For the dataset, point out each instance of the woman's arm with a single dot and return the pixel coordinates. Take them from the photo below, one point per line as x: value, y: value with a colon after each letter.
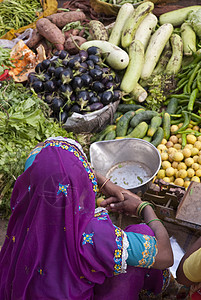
x: 181, y: 278
x: 164, y: 257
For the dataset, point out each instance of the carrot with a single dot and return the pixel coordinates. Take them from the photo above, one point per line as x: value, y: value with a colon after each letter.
x: 61, y: 19
x: 51, y: 32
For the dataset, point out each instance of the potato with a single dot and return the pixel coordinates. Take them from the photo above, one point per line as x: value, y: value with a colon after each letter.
x: 61, y: 19
x: 71, y: 42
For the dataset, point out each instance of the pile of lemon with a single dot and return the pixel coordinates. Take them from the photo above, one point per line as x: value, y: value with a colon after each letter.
x: 180, y: 166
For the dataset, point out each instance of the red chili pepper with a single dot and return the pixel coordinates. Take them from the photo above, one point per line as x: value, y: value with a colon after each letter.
x: 4, y: 76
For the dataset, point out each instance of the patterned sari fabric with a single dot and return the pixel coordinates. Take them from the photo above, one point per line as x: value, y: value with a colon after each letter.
x: 57, y: 246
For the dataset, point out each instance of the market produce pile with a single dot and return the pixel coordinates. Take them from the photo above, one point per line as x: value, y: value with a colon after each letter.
x: 148, y: 69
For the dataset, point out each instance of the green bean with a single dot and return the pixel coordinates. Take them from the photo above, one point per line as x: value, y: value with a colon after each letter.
x: 192, y: 98
x: 180, y: 96
x: 199, y: 80
x: 192, y: 77
x: 181, y: 85
x: 178, y: 121
x: 183, y: 140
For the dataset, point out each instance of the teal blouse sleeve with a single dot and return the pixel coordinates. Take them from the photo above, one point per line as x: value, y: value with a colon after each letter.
x: 31, y: 157
x: 142, y: 250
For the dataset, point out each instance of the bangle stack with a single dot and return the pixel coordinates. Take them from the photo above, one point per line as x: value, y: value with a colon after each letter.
x: 155, y: 220
x: 141, y: 206
x: 104, y: 183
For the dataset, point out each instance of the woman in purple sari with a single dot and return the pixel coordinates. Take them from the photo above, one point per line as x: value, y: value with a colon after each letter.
x: 59, y: 247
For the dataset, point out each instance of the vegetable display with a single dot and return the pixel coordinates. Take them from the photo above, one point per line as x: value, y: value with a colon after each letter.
x: 75, y: 83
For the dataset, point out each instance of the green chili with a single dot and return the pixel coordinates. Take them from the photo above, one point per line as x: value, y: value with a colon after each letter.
x: 191, y: 102
x: 192, y: 77
x: 187, y: 118
x: 183, y: 140
x: 199, y: 80
x: 176, y: 122
x: 180, y: 96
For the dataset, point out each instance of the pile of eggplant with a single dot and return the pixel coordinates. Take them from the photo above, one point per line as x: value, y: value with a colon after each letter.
x: 79, y: 83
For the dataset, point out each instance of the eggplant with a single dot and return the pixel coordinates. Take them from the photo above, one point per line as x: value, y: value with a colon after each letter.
x: 94, y: 50
x: 87, y: 79
x: 39, y: 68
x: 58, y: 72
x: 63, y: 116
x: 51, y: 70
x: 82, y: 99
x: 75, y: 108
x: 38, y: 86
x: 77, y: 83
x: 94, y: 106
x: 95, y: 58
x: 63, y: 54
x: 65, y: 63
x: 97, y: 86
x: 48, y: 99
x: 90, y: 63
x: 117, y: 94
x: 83, y: 55
x: 107, y: 97
x: 96, y: 74
x: 32, y: 77
x: 93, y: 99
x: 66, y: 76
x: 45, y: 64
x: 110, y: 84
x: 57, y: 104
x: 49, y: 86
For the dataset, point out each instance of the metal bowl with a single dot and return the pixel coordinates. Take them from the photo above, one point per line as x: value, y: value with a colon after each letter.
x: 130, y: 163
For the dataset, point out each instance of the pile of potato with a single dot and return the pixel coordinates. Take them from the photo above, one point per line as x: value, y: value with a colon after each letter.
x: 180, y: 166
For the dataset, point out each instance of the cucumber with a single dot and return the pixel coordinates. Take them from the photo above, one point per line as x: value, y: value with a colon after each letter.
x: 124, y: 13
x: 101, y: 135
x: 154, y: 49
x: 117, y: 114
x: 188, y: 36
x: 172, y: 106
x: 126, y: 107
x: 155, y: 123
x: 134, y: 68
x: 122, y: 125
x: 143, y: 116
x: 158, y: 137
x: 139, y: 131
x: 147, y: 138
x: 139, y: 110
x: 166, y: 125
x: 175, y: 61
x: 177, y: 16
x: 111, y: 135
x: 134, y: 21
x: 129, y: 130
x: 116, y: 57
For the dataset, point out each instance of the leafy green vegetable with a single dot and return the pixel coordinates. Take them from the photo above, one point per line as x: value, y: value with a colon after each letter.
x: 24, y: 122
x: 5, y: 60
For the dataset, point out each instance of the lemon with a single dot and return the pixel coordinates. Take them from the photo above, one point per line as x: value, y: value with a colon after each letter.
x: 174, y: 128
x: 195, y: 166
x: 198, y: 172
x: 171, y: 150
x: 179, y: 125
x: 199, y: 138
x: 189, y: 161
x: 161, y: 174
x: 166, y: 179
x: 180, y: 140
x: 189, y: 146
x: 169, y: 144
x: 195, y: 158
x: 175, y: 164
x: 194, y: 151
x: 181, y: 166
x: 179, y: 181
x: 178, y: 135
x: 177, y: 146
x: 173, y: 139
x: 178, y: 156
x: 186, y: 184
x: 99, y: 200
x: 165, y: 164
x: 186, y: 152
x: 196, y: 128
x: 169, y: 171
x: 190, y: 138
x: 161, y: 147
x: 199, y: 159
x: 195, y: 178
x: 190, y: 172
x: 172, y: 179
x: 164, y: 156
x: 164, y: 141
x: 198, y: 145
x: 182, y: 173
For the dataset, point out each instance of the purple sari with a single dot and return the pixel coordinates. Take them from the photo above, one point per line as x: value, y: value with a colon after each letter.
x: 56, y: 247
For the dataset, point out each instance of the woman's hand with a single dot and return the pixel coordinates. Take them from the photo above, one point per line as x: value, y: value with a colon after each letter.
x: 128, y: 205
